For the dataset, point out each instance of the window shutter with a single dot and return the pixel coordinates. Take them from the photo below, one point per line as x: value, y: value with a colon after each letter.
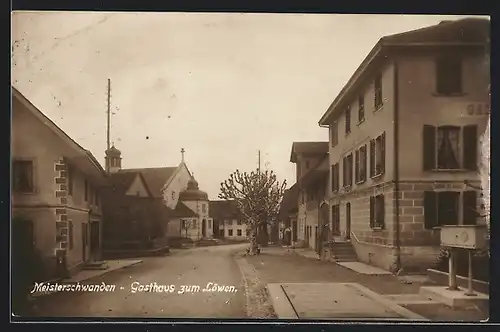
x: 430, y: 209
x: 337, y: 176
x: 469, y: 207
x: 365, y: 166
x: 344, y: 168
x: 470, y: 147
x: 382, y: 145
x: 372, y: 158
x: 356, y: 168
x: 429, y: 145
x: 381, y: 214
x: 333, y: 177
x: 372, y: 211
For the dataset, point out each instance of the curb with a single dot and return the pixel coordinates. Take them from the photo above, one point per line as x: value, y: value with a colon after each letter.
x: 245, y: 284
x: 281, y: 305
x: 44, y: 294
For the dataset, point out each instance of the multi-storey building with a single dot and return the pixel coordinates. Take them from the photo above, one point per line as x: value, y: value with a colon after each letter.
x: 404, y: 143
x: 56, y: 193
x: 311, y: 159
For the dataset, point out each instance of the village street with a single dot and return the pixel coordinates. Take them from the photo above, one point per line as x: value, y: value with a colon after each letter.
x: 194, y: 267
x: 225, y: 265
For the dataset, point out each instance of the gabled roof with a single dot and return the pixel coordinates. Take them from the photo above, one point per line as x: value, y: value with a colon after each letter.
x: 317, y: 173
x: 465, y: 32
x: 155, y: 177
x: 223, y: 209
x: 121, y: 181
x: 308, y: 148
x: 80, y: 153
x: 182, y: 211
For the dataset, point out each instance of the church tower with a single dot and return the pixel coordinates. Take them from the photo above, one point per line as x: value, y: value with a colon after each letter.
x: 113, y: 160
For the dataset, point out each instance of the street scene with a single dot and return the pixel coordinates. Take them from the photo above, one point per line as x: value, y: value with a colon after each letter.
x: 250, y: 166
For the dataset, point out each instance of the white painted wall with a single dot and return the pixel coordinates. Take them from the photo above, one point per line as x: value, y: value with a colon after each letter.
x: 177, y: 183
x: 202, y: 209
x: 232, y: 224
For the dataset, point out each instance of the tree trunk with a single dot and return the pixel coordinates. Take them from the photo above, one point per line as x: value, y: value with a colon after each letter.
x: 254, y: 246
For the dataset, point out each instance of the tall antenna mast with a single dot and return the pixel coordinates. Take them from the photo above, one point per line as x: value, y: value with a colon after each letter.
x: 109, y: 114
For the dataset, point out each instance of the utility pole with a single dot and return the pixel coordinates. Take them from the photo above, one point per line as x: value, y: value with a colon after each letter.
x: 109, y: 114
x: 259, y: 162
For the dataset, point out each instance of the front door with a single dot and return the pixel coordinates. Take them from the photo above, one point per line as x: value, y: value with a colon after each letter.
x: 294, y: 230
x: 203, y: 228
x: 94, y: 239
x: 348, y: 221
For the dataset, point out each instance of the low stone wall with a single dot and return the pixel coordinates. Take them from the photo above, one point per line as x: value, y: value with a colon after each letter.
x: 441, y: 278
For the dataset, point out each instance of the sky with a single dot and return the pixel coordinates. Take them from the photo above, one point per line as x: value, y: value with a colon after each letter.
x: 220, y: 85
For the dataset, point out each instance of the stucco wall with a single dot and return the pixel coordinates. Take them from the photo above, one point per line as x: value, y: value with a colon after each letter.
x: 419, y: 105
x: 177, y: 184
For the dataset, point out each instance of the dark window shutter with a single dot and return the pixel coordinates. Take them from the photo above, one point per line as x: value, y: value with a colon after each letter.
x: 469, y: 207
x: 382, y: 145
x: 372, y: 158
x: 333, y: 177
x: 337, y: 176
x: 470, y: 147
x: 356, y: 168
x: 381, y: 211
x: 430, y: 209
x: 344, y: 168
x: 372, y: 211
x: 365, y: 166
x: 429, y: 147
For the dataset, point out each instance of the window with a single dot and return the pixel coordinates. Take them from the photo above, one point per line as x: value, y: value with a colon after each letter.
x: 248, y: 232
x: 183, y: 223
x: 334, y: 133
x: 377, y: 212
x: 23, y: 176
x: 86, y: 190
x: 239, y: 232
x: 378, y: 91
x: 443, y: 208
x: 203, y: 208
x: 360, y: 164
x: 450, y: 147
x: 70, y: 234
x: 210, y: 224
x: 307, y: 164
x: 377, y: 156
x: 335, y: 177
x: 361, y: 108
x: 70, y: 179
x: 238, y: 222
x: 348, y: 120
x: 347, y: 168
x: 230, y: 232
x: 448, y: 75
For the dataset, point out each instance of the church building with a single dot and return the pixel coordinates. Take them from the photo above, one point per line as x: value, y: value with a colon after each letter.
x: 143, y: 207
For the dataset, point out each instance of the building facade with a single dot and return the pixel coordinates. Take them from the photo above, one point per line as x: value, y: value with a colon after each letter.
x: 311, y: 159
x: 56, y: 192
x: 404, y: 137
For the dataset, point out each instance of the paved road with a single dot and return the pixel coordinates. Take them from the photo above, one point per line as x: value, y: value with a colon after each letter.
x: 191, y: 267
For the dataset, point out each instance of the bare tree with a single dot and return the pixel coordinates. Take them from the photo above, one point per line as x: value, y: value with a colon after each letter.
x: 258, y: 196
x: 186, y: 225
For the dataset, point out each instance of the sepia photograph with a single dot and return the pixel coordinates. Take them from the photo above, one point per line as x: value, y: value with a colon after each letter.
x: 253, y: 166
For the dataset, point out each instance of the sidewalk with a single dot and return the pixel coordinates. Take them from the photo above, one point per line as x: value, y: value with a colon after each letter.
x: 281, y: 266
x: 86, y: 275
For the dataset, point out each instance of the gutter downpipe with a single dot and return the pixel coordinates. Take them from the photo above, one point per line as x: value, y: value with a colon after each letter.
x: 396, y: 164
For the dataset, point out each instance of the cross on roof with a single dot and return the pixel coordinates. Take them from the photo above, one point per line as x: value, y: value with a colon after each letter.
x: 182, y: 153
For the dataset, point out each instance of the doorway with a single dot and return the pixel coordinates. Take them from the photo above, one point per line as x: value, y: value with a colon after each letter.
x: 94, y: 239
x: 203, y: 228
x: 294, y: 230
x: 84, y: 241
x: 348, y: 221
